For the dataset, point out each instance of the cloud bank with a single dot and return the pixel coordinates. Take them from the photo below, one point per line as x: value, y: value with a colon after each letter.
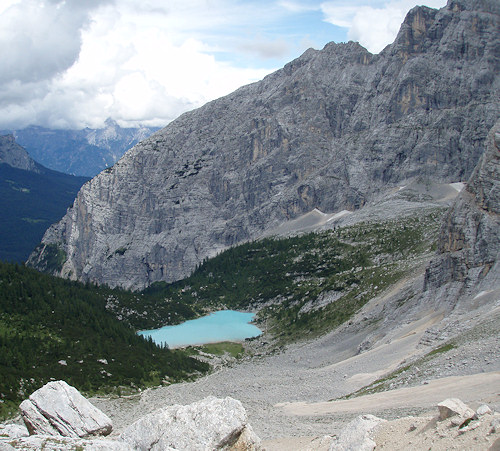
x: 74, y: 63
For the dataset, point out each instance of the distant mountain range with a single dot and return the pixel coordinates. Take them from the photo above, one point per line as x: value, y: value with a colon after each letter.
x: 31, y: 198
x: 79, y: 152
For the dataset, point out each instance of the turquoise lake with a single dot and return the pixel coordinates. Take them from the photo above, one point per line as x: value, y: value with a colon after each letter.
x: 226, y: 325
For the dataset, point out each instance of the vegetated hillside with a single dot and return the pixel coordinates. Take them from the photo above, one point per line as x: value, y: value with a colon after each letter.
x: 56, y: 329
x: 80, y: 152
x: 301, y: 286
x: 30, y: 201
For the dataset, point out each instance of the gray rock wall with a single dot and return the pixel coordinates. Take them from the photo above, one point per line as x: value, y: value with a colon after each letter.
x: 14, y: 155
x: 469, y: 244
x: 330, y: 130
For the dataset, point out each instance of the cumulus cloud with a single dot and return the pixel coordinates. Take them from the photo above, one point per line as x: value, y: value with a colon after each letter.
x: 74, y: 63
x: 41, y: 39
x: 71, y: 64
x: 373, y: 24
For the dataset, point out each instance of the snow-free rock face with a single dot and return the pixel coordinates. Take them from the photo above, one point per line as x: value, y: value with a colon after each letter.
x: 328, y: 131
x: 80, y: 152
x: 16, y: 156
x: 211, y: 423
x: 59, y: 409
x: 470, y: 237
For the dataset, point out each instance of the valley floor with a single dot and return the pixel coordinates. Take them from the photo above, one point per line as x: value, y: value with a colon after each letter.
x: 288, y: 394
x: 400, y: 355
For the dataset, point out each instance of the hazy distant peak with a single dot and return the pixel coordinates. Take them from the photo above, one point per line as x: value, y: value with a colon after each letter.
x: 14, y: 155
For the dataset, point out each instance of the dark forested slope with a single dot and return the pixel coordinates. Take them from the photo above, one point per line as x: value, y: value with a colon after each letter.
x: 55, y: 329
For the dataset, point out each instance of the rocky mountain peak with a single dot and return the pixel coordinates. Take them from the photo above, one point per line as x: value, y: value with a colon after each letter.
x: 490, y: 6
x: 14, y: 155
x: 331, y: 130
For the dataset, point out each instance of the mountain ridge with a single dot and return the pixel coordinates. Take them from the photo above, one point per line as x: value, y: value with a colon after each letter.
x: 31, y: 198
x: 14, y: 155
x: 83, y: 152
x: 331, y: 130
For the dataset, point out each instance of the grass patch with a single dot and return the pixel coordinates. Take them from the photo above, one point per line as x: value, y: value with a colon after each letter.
x: 235, y: 350
x: 442, y: 349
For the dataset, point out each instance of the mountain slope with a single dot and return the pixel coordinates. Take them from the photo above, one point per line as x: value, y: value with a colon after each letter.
x: 419, y: 345
x: 31, y: 198
x: 331, y: 130
x: 57, y: 329
x: 470, y: 237
x: 14, y: 155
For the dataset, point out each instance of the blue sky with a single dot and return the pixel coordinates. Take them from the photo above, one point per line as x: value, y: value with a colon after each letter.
x: 74, y: 63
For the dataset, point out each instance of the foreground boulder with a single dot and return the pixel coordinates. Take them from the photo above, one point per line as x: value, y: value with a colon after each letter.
x: 59, y: 409
x: 454, y: 407
x: 358, y: 434
x: 208, y: 424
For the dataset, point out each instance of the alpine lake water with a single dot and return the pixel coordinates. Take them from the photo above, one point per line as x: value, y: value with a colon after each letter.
x: 225, y: 325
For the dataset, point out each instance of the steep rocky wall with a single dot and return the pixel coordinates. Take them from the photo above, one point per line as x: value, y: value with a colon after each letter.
x: 329, y: 131
x: 469, y: 245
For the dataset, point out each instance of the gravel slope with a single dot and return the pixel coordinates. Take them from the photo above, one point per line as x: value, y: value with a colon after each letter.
x: 332, y: 366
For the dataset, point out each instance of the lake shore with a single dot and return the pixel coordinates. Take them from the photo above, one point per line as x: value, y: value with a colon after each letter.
x: 220, y: 326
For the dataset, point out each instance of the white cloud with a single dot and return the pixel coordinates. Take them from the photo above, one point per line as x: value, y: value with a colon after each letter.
x: 297, y: 6
x: 135, y: 61
x: 39, y: 40
x: 74, y: 63
x: 373, y: 24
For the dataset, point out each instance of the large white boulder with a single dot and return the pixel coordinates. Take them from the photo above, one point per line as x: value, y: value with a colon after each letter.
x: 357, y: 435
x: 59, y: 409
x: 453, y: 406
x: 12, y: 431
x: 209, y: 424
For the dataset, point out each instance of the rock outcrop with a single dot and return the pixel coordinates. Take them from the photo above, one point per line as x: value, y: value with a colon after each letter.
x: 211, y: 423
x: 358, y: 434
x: 330, y: 130
x: 58, y: 417
x: 455, y: 432
x: 59, y: 409
x: 469, y: 244
x: 454, y: 407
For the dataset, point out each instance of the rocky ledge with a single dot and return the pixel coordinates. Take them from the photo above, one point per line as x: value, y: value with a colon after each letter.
x: 221, y: 424
x: 456, y: 426
x: 58, y: 417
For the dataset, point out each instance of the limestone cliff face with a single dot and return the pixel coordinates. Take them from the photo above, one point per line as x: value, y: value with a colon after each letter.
x: 329, y: 131
x: 469, y: 246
